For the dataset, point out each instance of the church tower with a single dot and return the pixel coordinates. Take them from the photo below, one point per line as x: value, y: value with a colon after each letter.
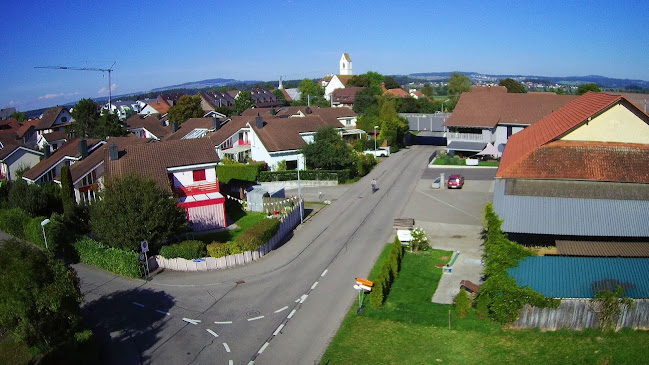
x: 345, y: 65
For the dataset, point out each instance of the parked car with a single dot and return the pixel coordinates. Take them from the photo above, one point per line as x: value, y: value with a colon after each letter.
x: 455, y: 182
x: 380, y: 152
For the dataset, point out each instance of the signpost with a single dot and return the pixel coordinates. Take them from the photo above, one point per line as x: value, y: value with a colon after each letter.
x: 363, y: 286
x: 145, y: 248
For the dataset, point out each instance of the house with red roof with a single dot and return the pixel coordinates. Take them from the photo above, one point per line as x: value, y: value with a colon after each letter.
x: 580, y: 173
x: 156, y: 107
x: 480, y: 118
x: 148, y: 126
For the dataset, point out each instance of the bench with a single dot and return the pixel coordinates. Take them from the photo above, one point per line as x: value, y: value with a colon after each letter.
x: 469, y: 286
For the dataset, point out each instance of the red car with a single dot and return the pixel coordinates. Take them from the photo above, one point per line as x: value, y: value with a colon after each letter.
x: 455, y: 182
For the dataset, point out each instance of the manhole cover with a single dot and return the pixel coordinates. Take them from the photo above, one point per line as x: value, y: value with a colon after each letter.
x: 253, y: 313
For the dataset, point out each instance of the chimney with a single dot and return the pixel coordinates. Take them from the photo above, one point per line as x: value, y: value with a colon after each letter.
x: 174, y: 127
x: 308, y: 110
x: 216, y: 123
x: 47, y: 151
x: 273, y: 111
x: 259, y: 121
x: 112, y: 152
x: 83, y: 148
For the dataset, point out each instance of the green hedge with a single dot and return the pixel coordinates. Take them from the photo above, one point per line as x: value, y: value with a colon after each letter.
x: 189, y: 250
x: 258, y: 234
x: 389, y: 272
x: 340, y: 175
x: 13, y: 221
x: 243, y: 172
x: 219, y: 249
x: 500, y: 297
x: 122, y: 262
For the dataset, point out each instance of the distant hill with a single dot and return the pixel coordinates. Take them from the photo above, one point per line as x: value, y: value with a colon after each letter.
x: 602, y: 81
x: 203, y: 84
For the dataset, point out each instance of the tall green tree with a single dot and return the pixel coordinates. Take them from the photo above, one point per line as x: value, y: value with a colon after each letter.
x: 584, y: 88
x: 391, y: 83
x: 243, y: 102
x: 328, y: 151
x: 19, y: 116
x: 393, y: 128
x: 311, y: 93
x: 186, y: 108
x: 85, y: 116
x: 39, y: 296
x: 67, y: 190
x: 109, y: 125
x: 280, y: 96
x: 457, y: 84
x: 512, y: 86
x: 364, y: 100
x: 133, y: 209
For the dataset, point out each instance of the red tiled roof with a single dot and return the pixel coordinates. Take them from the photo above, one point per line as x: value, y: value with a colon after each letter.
x: 9, y: 124
x: 486, y: 110
x: 488, y: 89
x: 521, y: 145
x: 149, y: 122
x: 287, y: 97
x: 160, y: 107
x: 26, y: 126
x: 397, y: 93
x: 283, y: 134
x: 69, y: 149
x: 49, y: 117
x: 81, y: 168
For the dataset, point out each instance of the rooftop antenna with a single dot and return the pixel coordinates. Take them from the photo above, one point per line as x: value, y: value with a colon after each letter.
x: 109, y: 70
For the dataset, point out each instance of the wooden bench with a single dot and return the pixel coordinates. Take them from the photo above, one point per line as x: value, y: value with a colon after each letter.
x: 469, y: 286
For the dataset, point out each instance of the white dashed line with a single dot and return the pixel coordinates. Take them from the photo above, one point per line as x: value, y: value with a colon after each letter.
x: 314, y: 285
x: 227, y: 348
x: 291, y: 314
x: 297, y: 300
x: 230, y: 362
x: 138, y: 304
x: 263, y: 347
x: 251, y: 362
x: 192, y: 321
x: 224, y: 322
x: 281, y: 309
x: 212, y: 332
x: 278, y: 329
x: 303, y: 298
x: 255, y: 318
x: 163, y: 312
x: 324, y: 272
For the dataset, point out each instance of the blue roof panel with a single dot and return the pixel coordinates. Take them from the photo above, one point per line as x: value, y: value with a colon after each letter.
x: 577, y: 277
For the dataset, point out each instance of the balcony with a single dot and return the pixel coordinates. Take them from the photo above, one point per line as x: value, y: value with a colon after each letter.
x: 469, y: 137
x: 204, y: 188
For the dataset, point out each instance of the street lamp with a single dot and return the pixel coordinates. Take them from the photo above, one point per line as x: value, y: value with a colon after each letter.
x: 299, y: 188
x: 376, y: 126
x: 43, y: 223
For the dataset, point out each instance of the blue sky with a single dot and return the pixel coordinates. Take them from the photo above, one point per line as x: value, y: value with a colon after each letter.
x: 161, y: 43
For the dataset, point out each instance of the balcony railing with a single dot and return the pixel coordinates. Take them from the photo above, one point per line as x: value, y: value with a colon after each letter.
x: 456, y: 136
x: 212, y: 187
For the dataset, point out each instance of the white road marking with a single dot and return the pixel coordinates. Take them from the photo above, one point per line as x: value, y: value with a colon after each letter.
x: 224, y: 322
x: 324, y: 272
x: 230, y: 362
x: 163, y: 312
x: 251, y: 362
x: 227, y: 349
x: 212, y: 332
x: 291, y: 314
x: 278, y: 329
x: 255, y: 318
x: 314, y: 285
x: 263, y: 347
x: 192, y: 321
x: 138, y: 304
x: 281, y: 309
x: 303, y: 298
x: 297, y: 300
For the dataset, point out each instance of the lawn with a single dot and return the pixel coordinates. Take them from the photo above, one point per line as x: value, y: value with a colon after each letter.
x: 409, y: 329
x: 242, y: 219
x: 445, y: 159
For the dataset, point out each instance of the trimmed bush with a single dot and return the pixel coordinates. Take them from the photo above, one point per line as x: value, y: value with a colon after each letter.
x: 388, y: 273
x: 376, y: 296
x: 241, y: 172
x: 219, y: 249
x: 13, y: 221
x: 189, y: 250
x: 258, y: 234
x: 462, y: 303
x: 118, y: 261
x: 482, y: 306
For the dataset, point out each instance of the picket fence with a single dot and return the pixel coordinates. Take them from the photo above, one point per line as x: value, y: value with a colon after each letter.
x: 578, y: 314
x: 287, y: 224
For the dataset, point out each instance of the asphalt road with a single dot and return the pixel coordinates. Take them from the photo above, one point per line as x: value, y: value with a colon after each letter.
x: 283, y: 309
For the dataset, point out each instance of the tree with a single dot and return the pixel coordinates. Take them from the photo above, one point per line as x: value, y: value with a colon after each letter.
x: 36, y: 200
x: 19, y: 116
x: 457, y: 84
x: 313, y: 91
x: 67, y: 190
x: 358, y: 81
x: 584, y: 88
x: 243, y: 102
x: 426, y: 90
x: 328, y: 151
x: 513, y: 86
x: 133, y: 209
x: 85, y: 116
x: 280, y: 96
x: 39, y: 296
x: 607, y: 304
x: 109, y: 125
x: 363, y: 100
x: 393, y: 128
x: 187, y: 107
x: 391, y: 83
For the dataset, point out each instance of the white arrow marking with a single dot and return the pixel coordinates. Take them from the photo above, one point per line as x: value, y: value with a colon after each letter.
x: 227, y: 349
x: 278, y: 329
x: 212, y: 332
x: 138, y: 304
x: 282, y: 309
x: 192, y: 321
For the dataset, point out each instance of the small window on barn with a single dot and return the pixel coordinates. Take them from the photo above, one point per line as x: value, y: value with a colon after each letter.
x: 199, y: 175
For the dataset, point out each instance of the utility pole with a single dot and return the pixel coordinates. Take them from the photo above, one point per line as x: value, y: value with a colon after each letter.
x: 109, y: 70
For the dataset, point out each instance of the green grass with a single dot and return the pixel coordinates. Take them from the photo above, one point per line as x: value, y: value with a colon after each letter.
x: 445, y: 159
x: 242, y: 219
x: 409, y: 329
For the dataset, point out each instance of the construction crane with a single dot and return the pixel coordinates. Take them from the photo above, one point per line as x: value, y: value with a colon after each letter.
x: 109, y: 70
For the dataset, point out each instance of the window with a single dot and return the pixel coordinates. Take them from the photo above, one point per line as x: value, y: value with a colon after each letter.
x: 199, y: 175
x: 509, y: 131
x: 64, y: 119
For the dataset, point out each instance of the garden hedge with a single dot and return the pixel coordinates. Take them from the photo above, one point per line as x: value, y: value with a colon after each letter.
x: 243, y: 172
x: 340, y: 175
x: 13, y: 221
x: 121, y: 262
x: 388, y: 273
x: 219, y: 249
x: 258, y: 234
x: 189, y: 250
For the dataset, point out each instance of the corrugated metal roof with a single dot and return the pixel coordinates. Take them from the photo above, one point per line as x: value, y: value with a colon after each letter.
x: 466, y: 146
x: 602, y: 249
x: 582, y: 277
x: 571, y: 216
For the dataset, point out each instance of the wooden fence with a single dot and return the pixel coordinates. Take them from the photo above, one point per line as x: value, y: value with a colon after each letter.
x: 286, y: 225
x: 578, y: 314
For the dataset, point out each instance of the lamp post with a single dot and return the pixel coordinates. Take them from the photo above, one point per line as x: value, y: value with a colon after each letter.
x: 299, y: 189
x: 43, y: 223
x: 376, y: 126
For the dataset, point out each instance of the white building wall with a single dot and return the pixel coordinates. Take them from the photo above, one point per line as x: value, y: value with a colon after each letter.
x: 334, y: 84
x: 186, y: 177
x: 500, y: 136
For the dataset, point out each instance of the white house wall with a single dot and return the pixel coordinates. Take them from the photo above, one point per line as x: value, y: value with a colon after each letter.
x: 186, y: 178
x: 333, y: 85
x: 500, y: 136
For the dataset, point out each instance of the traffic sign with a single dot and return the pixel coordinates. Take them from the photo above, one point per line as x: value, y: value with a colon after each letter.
x: 365, y: 282
x: 145, y: 246
x: 362, y: 287
x: 142, y: 257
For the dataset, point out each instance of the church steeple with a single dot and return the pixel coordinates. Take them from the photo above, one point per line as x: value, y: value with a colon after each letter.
x: 345, y: 65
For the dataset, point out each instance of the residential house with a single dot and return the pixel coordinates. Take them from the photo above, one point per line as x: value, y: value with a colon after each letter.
x: 395, y: 93
x: 50, y: 167
x: 580, y: 174
x: 54, y: 140
x: 155, y: 107
x: 345, y: 97
x: 184, y: 167
x: 291, y: 94
x: 217, y: 99
x: 54, y: 119
x: 432, y: 122
x: 14, y: 156
x: 418, y: 95
x: 123, y: 108
x: 492, y: 117
x: 265, y: 98
x: 488, y: 89
x: 148, y: 126
x: 27, y: 132
x: 171, y: 98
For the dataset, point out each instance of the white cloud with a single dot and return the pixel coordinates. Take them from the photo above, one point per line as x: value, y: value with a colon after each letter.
x: 104, y: 90
x: 50, y: 96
